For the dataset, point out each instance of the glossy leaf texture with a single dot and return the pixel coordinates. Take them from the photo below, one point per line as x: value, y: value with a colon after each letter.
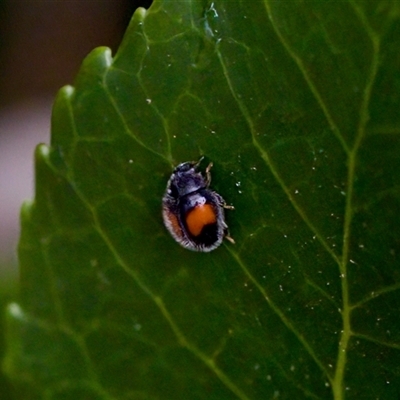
x: 297, y: 105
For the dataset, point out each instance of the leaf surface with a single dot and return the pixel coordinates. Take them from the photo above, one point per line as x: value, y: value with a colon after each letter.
x: 297, y: 105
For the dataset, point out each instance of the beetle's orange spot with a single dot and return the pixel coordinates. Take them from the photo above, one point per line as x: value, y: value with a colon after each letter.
x: 200, y: 216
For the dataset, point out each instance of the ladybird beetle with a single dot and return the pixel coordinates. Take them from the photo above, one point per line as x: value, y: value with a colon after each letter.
x: 194, y: 214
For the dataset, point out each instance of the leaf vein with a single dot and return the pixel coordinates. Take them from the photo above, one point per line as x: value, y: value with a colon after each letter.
x: 308, y: 79
x: 280, y: 314
x: 267, y: 159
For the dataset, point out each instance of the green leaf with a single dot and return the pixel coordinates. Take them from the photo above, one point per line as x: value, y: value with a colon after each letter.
x: 297, y: 105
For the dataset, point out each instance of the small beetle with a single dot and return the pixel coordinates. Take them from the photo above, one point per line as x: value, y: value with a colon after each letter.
x: 194, y: 214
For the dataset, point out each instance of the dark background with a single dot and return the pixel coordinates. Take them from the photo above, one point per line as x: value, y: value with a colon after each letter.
x: 42, y: 45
